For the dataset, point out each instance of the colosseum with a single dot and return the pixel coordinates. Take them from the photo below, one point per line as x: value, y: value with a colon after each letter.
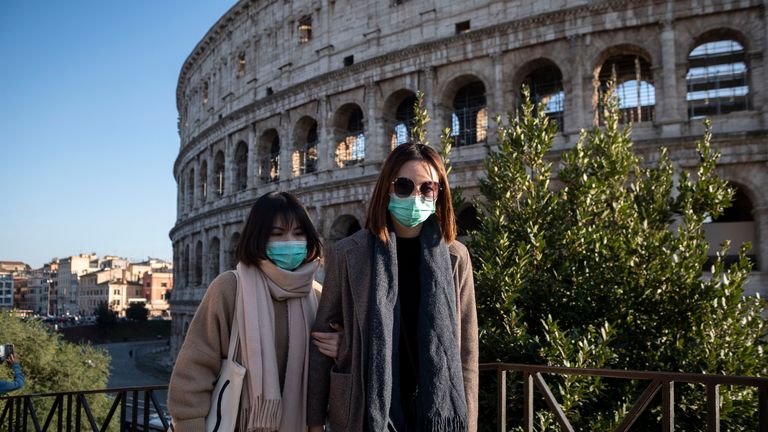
x: 310, y: 96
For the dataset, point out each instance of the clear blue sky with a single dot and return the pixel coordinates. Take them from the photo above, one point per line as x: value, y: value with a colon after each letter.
x: 88, y: 123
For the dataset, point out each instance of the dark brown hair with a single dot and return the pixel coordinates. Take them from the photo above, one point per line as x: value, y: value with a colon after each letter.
x: 376, y: 222
x: 258, y: 227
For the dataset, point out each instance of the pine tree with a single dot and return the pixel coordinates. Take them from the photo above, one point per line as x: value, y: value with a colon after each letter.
x: 601, y: 264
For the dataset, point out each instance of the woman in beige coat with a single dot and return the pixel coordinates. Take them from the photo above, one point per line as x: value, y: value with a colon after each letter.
x: 403, y: 290
x: 278, y: 255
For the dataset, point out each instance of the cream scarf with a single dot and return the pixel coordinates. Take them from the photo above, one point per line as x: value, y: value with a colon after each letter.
x: 262, y: 407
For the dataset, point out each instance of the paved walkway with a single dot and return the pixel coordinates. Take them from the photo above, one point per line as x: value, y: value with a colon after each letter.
x: 133, y: 363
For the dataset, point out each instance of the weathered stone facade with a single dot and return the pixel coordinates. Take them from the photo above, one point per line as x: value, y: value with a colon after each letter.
x: 285, y: 95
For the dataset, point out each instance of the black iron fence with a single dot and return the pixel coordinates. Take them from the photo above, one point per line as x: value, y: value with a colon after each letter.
x: 664, y: 382
x: 138, y: 409
x: 123, y: 409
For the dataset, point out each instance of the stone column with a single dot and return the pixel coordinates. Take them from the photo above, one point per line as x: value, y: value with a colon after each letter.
x: 285, y: 167
x: 575, y: 104
x: 253, y: 166
x: 496, y: 104
x: 229, y: 166
x: 668, y: 105
x: 326, y: 148
x: 763, y: 92
x: 432, y: 102
x: 760, y: 247
x: 375, y: 150
x: 195, y: 163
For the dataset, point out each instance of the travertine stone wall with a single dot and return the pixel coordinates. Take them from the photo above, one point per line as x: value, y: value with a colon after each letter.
x: 399, y: 48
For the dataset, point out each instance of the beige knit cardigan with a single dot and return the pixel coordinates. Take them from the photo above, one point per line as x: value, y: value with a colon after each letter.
x: 206, y: 343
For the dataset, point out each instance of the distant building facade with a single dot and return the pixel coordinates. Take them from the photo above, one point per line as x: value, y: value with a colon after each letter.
x: 6, y: 291
x: 68, y: 280
x: 279, y: 96
x: 157, y: 287
x: 40, y: 285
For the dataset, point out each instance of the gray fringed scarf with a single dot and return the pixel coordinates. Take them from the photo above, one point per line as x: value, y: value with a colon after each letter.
x: 440, y: 402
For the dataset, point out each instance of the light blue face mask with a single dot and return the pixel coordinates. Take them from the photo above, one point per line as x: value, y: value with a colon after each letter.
x: 287, y: 255
x: 410, y: 211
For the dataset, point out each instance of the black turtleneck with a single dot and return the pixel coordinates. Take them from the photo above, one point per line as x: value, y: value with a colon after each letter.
x: 409, y: 292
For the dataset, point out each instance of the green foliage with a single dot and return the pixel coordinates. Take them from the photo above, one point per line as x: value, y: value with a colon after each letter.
x: 137, y: 312
x: 419, y: 134
x: 603, y: 268
x: 105, y: 317
x: 52, y: 365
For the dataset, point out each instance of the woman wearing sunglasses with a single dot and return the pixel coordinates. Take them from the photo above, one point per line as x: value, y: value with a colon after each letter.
x: 404, y: 292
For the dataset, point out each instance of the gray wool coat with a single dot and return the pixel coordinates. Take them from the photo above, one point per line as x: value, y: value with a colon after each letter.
x: 338, y: 390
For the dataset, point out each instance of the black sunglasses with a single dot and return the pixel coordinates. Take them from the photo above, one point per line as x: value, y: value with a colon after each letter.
x: 404, y: 188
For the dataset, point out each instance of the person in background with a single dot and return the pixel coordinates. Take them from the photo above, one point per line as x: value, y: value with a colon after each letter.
x: 18, y: 375
x: 403, y: 290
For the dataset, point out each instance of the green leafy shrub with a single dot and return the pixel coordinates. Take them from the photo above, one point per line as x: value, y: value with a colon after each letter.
x: 601, y: 264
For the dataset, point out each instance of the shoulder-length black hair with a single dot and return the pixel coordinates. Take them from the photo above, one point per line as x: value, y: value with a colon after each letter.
x: 266, y: 210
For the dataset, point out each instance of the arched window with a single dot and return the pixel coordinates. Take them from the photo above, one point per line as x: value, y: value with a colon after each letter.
x: 241, y: 65
x: 241, y: 166
x: 351, y: 148
x: 198, y: 263
x: 304, y: 158
x: 467, y: 221
x: 634, y: 87
x: 717, y: 79
x: 404, y: 118
x: 205, y: 93
x: 269, y: 157
x: 232, y: 251
x: 469, y: 120
x: 737, y: 224
x: 344, y: 226
x: 214, y: 249
x: 203, y: 185
x: 546, y: 86
x: 190, y: 189
x: 218, y: 173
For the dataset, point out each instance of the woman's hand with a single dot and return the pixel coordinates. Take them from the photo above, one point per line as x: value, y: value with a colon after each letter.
x: 328, y: 343
x: 12, y: 359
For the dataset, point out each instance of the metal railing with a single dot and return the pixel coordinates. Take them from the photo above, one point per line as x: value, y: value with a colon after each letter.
x: 71, y: 411
x: 659, y: 381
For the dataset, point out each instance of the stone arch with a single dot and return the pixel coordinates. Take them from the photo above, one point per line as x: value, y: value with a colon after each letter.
x: 717, y: 74
x: 737, y: 224
x: 398, y: 117
x: 468, y: 118
x: 349, y: 134
x: 269, y: 156
x: 467, y: 219
x: 218, y: 173
x: 637, y: 98
x: 241, y: 166
x: 344, y: 226
x: 305, y: 141
x: 544, y: 78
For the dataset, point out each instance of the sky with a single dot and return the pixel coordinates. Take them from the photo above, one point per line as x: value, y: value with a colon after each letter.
x: 88, y: 117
